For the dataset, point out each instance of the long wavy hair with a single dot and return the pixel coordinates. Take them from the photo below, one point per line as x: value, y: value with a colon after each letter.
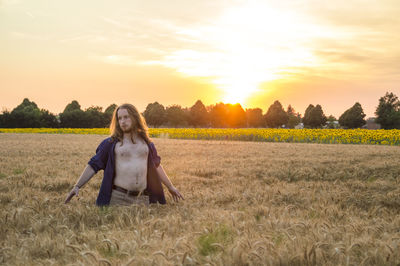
x: 139, y: 125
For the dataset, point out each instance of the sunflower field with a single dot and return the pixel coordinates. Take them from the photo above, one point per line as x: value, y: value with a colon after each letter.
x: 328, y: 136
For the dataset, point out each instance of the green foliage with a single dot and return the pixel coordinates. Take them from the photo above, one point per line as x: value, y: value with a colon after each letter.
x: 254, y: 117
x: 293, y: 118
x: 353, y: 117
x: 222, y: 235
x: 236, y: 116
x: 218, y: 114
x: 199, y: 116
x: 5, y: 120
x: 74, y: 105
x: 176, y: 116
x: 18, y: 171
x: 110, y: 109
x: 276, y: 116
x: 26, y: 105
x: 314, y: 117
x: 388, y: 111
x: 92, y: 117
x: 73, y: 119
x: 27, y: 115
x: 48, y: 120
x: 108, y: 113
x: 330, y: 122
x: 155, y: 114
x: 331, y: 118
x: 307, y: 114
x: 95, y: 118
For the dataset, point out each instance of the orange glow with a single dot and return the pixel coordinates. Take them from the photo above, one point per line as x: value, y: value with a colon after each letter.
x: 248, y: 52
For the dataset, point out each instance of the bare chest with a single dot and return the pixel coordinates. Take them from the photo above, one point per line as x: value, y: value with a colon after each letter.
x: 129, y: 151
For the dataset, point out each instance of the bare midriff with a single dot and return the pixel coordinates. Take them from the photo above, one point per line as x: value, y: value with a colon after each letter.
x: 131, y: 164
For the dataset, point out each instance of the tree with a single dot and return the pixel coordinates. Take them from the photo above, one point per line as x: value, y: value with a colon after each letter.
x: 94, y: 117
x: 176, y: 116
x: 73, y: 119
x: 198, y: 115
x: 74, y: 105
x: 73, y: 116
x: 108, y: 113
x: 48, y: 119
x: 314, y: 117
x: 28, y: 114
x: 110, y: 109
x: 353, y: 117
x: 388, y: 111
x: 306, y: 117
x: 293, y: 117
x: 331, y: 122
x: 254, y: 117
x: 155, y: 114
x: 219, y: 115
x: 25, y: 115
x: 236, y: 116
x: 276, y: 116
x: 318, y: 118
x: 5, y: 119
x: 331, y: 118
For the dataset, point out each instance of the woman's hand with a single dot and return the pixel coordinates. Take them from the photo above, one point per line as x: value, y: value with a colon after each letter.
x: 74, y: 192
x: 175, y: 193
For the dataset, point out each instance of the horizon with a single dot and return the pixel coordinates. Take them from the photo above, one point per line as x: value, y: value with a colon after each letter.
x: 141, y: 110
x: 249, y: 52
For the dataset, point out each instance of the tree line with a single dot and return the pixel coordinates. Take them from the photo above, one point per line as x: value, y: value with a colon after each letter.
x: 220, y: 115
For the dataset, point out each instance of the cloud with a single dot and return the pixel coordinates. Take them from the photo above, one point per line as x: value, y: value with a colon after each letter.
x: 5, y: 3
x: 245, y: 46
x: 116, y: 23
x: 115, y: 59
x: 29, y: 36
x: 29, y: 14
x: 223, y: 39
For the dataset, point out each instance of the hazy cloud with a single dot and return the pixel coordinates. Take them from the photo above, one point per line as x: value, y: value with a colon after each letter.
x: 233, y: 43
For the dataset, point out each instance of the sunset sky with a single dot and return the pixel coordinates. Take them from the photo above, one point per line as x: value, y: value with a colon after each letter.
x: 332, y: 53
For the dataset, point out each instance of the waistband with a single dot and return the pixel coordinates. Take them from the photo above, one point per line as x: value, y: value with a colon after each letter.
x: 129, y: 192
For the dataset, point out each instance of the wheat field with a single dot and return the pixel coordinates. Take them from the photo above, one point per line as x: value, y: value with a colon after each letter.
x: 246, y: 203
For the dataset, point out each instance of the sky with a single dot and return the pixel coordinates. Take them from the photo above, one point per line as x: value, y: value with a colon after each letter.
x: 300, y: 52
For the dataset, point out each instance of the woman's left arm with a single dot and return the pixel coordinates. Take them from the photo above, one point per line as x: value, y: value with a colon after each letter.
x: 176, y: 195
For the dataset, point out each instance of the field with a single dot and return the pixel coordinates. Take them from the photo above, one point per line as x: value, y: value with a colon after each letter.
x: 326, y: 136
x: 255, y: 203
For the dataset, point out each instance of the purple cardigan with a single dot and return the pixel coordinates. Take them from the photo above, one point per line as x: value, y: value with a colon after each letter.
x: 105, y: 160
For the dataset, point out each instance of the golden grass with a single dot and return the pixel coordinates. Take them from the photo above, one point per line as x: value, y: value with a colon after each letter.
x: 245, y: 203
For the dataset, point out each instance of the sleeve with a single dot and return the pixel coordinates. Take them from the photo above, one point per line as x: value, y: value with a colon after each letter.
x: 153, y: 155
x: 99, y: 160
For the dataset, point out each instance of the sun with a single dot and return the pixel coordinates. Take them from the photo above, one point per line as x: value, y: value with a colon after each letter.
x: 251, y: 37
x: 237, y: 89
x: 247, y: 45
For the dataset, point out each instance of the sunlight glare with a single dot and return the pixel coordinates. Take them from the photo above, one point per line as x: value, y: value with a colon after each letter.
x: 248, y: 45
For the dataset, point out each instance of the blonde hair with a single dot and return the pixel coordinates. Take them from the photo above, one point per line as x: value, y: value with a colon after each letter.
x: 139, y: 125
